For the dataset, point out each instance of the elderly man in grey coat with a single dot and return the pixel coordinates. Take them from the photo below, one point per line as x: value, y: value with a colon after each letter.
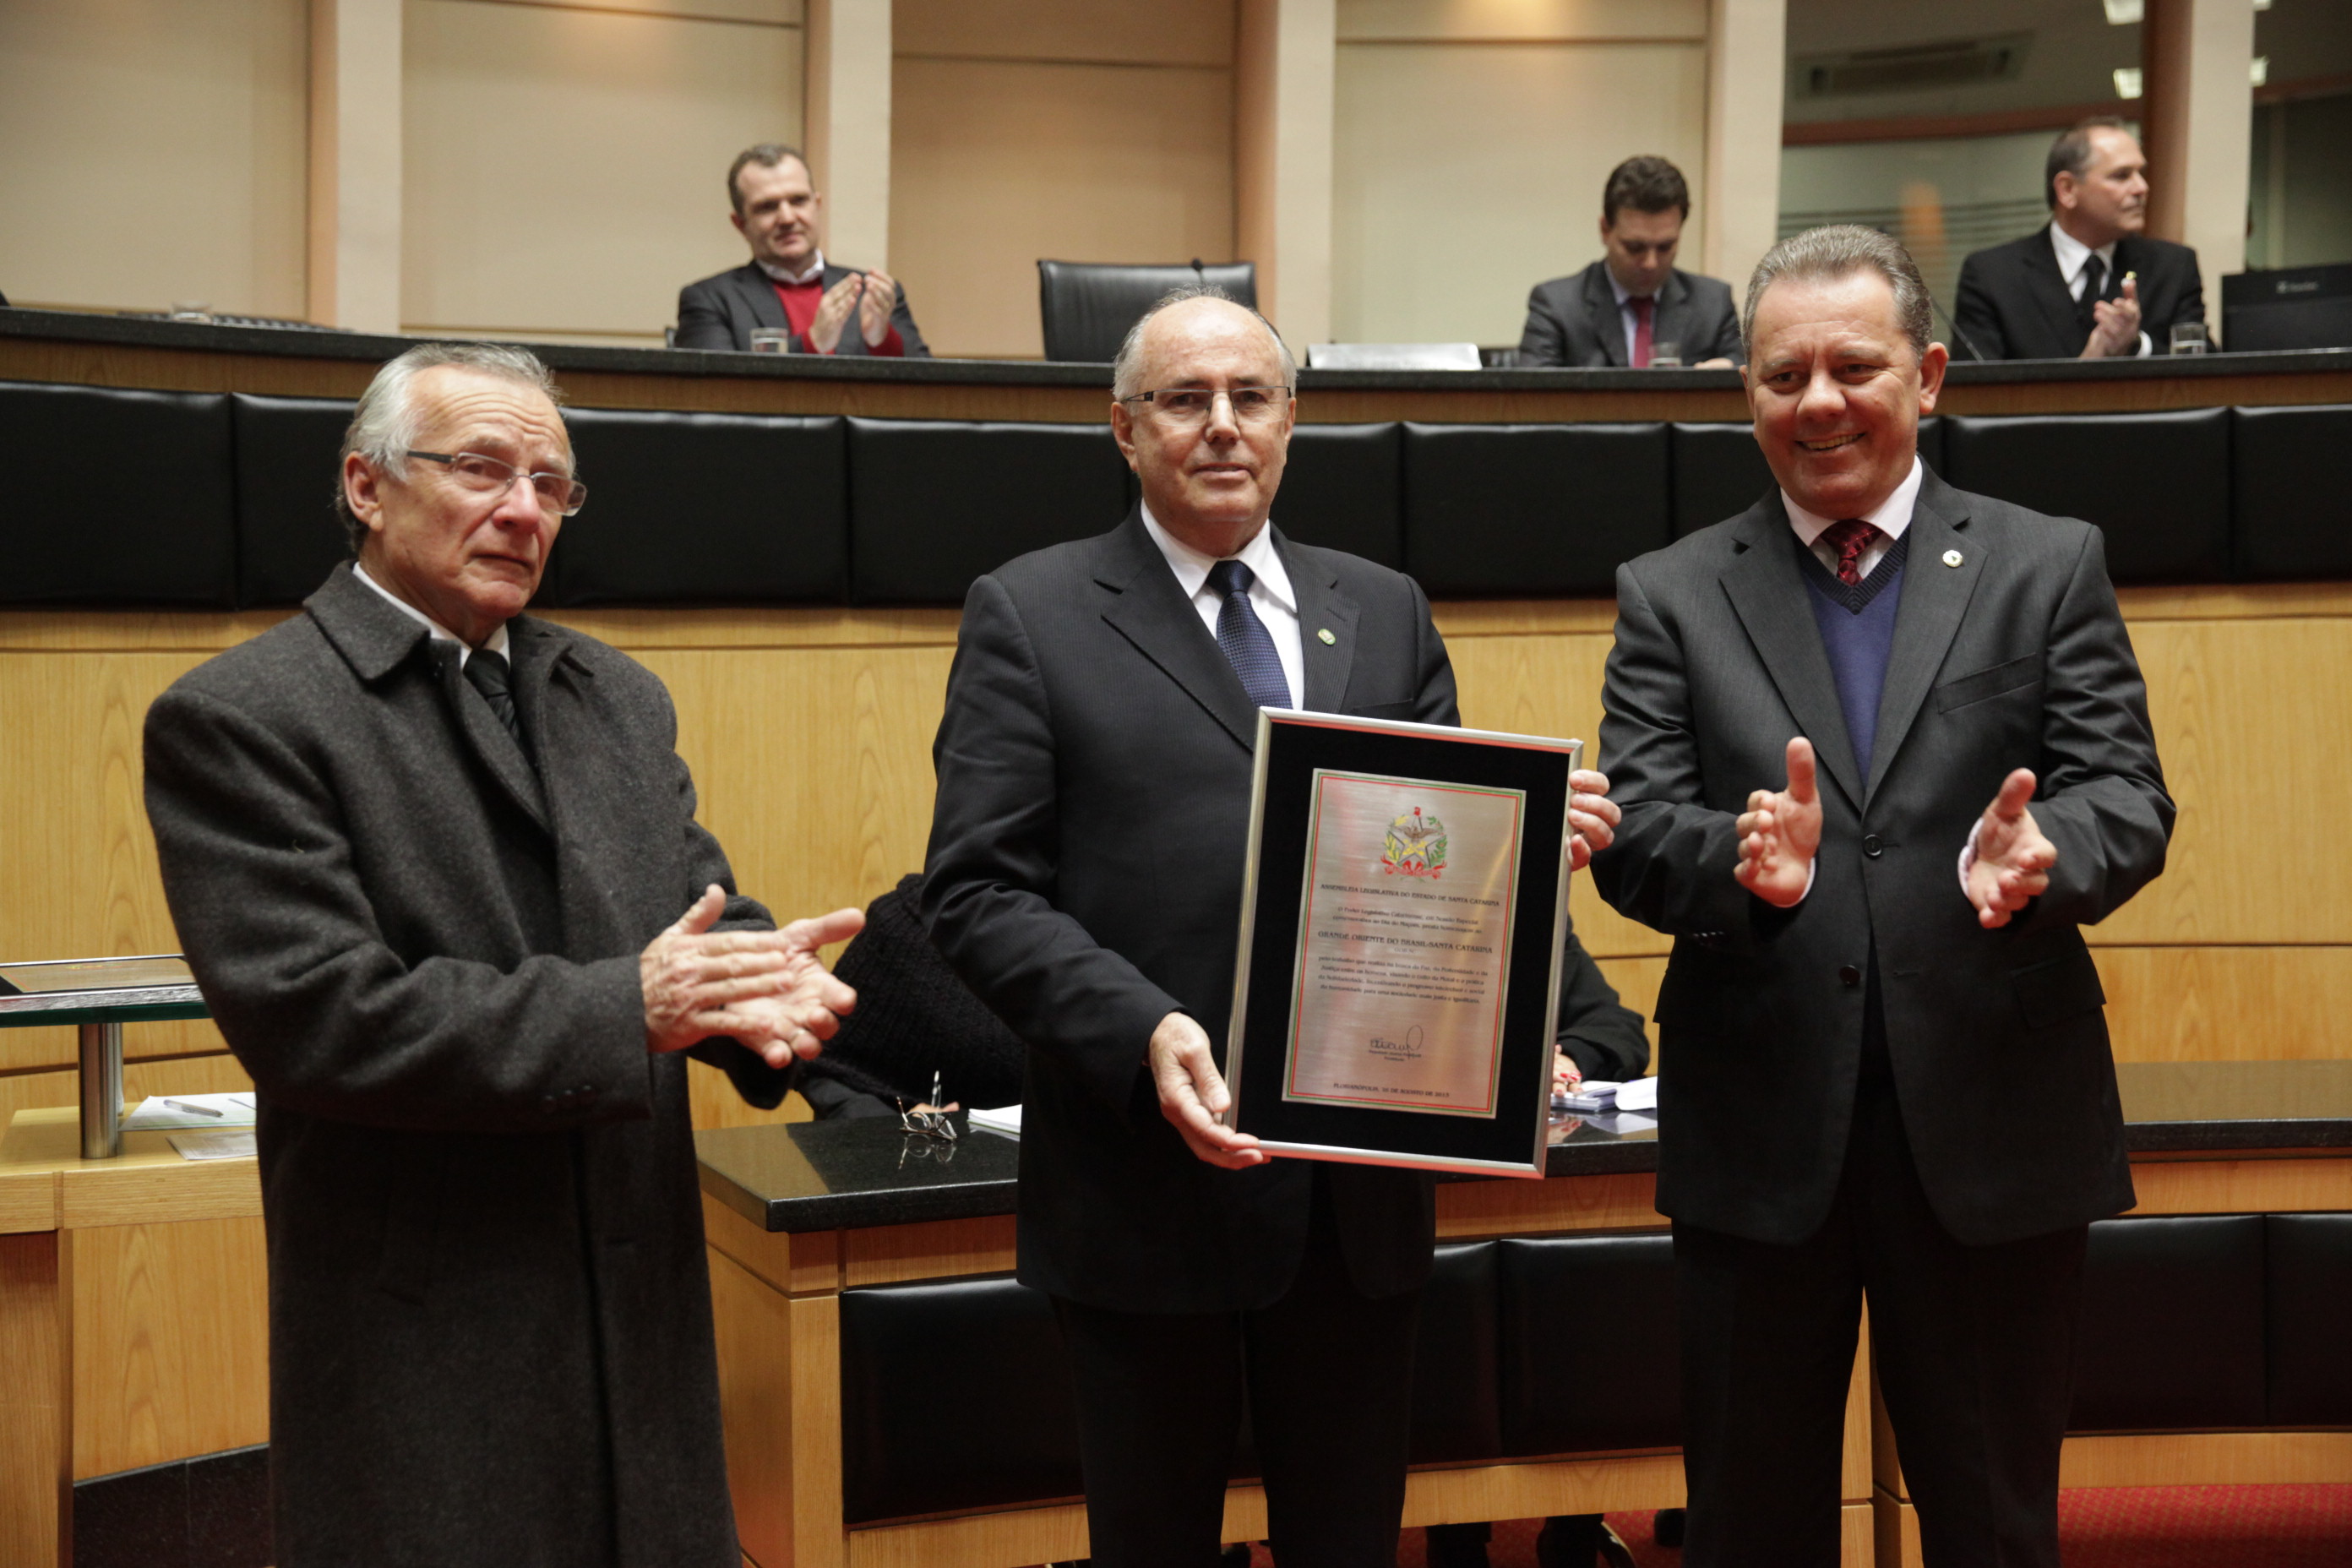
x: 436, y: 866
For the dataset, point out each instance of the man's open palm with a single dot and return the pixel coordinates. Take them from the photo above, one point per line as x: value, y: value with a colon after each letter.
x: 2013, y: 859
x: 1779, y: 833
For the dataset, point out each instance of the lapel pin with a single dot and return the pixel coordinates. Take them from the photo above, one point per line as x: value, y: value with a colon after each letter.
x: 1324, y: 637
x: 1952, y: 558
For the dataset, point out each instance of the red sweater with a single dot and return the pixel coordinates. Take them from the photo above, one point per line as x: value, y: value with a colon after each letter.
x: 800, y: 302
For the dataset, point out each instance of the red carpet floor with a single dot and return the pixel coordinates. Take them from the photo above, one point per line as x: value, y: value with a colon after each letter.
x: 2106, y: 1527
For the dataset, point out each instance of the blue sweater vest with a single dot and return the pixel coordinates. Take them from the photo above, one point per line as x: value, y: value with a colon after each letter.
x: 1858, y: 633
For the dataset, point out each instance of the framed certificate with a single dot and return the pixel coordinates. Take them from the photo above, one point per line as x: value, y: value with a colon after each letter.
x: 1397, y: 980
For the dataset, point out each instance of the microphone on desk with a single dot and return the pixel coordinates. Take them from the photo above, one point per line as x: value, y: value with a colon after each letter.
x: 1958, y: 337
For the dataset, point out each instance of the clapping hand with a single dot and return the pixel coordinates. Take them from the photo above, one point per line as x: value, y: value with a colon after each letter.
x: 2117, y: 332
x: 1779, y: 834
x: 766, y: 989
x: 874, y: 307
x: 2013, y: 859
x: 833, y: 313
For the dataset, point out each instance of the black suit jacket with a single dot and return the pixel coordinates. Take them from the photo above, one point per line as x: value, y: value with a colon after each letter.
x: 1574, y: 321
x: 720, y: 311
x: 486, y: 1282
x: 1085, y: 879
x: 2012, y: 303
x: 2008, y: 652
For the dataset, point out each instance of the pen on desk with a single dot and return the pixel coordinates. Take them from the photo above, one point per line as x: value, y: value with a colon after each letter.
x: 192, y: 1109
x: 936, y: 1101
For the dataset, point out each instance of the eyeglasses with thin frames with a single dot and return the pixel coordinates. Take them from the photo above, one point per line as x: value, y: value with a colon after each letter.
x: 558, y: 494
x: 1190, y: 405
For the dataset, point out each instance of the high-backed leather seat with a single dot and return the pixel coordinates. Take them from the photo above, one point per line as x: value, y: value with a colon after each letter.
x: 2156, y: 484
x: 110, y: 497
x: 288, y: 534
x: 934, y: 503
x: 705, y: 509
x: 2291, y: 511
x: 1526, y: 511
x: 1087, y: 307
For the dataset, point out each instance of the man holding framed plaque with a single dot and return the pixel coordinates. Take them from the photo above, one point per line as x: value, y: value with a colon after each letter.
x: 1886, y: 1068
x: 1085, y: 879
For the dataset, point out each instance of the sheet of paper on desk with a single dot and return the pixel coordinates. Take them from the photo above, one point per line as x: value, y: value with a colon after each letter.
x: 1638, y: 1094
x: 1004, y: 1120
x: 160, y: 1112
x: 237, y: 1144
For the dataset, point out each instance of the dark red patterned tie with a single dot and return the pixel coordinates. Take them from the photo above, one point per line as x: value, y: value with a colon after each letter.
x: 1643, y: 307
x: 1849, y: 539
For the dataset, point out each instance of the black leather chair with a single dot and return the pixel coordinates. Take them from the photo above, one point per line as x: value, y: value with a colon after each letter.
x: 289, y: 536
x: 936, y: 502
x: 116, y: 498
x: 704, y: 508
x: 1087, y: 307
x: 1531, y: 510
x: 1342, y: 487
x: 1456, y: 1367
x: 2171, y: 1331
x: 2290, y: 509
x: 2156, y: 484
x: 1573, y: 1310
x: 2309, y: 1264
x: 954, y: 1394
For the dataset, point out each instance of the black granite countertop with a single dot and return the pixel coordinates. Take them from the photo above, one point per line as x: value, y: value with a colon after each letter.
x: 312, y: 343
x: 832, y: 1176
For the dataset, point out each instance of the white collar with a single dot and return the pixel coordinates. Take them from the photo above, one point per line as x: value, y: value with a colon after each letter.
x: 497, y: 639
x: 813, y: 273
x: 2073, y: 253
x: 1624, y: 293
x: 1892, y: 515
x: 1191, y: 567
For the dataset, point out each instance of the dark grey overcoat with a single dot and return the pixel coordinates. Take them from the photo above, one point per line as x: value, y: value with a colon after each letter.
x: 490, y: 1314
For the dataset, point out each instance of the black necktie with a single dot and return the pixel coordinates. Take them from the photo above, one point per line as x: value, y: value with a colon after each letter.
x: 2095, y: 282
x: 485, y: 672
x: 1248, y: 646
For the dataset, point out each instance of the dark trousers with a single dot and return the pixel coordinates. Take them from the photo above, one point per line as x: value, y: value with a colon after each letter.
x: 1329, y: 1379
x: 1973, y: 1347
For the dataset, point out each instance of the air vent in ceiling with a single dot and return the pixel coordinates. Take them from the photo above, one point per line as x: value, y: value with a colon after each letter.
x: 1912, y: 67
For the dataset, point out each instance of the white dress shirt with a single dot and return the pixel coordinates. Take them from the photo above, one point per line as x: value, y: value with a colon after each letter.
x: 497, y: 639
x: 1892, y: 516
x: 813, y: 272
x: 2074, y: 256
x: 1270, y: 595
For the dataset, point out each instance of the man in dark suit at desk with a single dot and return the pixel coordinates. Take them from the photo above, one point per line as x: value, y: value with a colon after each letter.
x: 788, y: 285
x: 1887, y: 1068
x: 2091, y: 285
x: 1616, y: 311
x: 428, y: 857
x: 1085, y: 879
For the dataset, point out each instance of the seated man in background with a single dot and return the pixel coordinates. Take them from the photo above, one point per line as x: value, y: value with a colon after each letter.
x: 2091, y: 285
x: 788, y: 285
x: 1619, y: 309
x: 427, y: 857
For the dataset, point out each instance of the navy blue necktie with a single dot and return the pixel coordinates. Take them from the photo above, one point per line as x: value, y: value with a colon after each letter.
x: 1247, y: 644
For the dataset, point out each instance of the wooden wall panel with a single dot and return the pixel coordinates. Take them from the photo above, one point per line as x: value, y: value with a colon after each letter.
x: 2250, y: 721
x: 35, y: 1479
x: 2227, y: 1003
x: 171, y: 1342
x: 996, y: 162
